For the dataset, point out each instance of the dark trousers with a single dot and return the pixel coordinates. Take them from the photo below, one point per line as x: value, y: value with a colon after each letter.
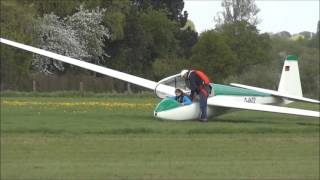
x: 203, y: 105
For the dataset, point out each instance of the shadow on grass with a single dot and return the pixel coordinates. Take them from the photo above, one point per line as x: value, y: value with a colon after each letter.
x: 263, y: 122
x: 187, y: 131
x: 256, y: 130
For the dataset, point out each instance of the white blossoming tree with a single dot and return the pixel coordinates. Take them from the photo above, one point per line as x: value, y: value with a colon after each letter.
x: 79, y: 36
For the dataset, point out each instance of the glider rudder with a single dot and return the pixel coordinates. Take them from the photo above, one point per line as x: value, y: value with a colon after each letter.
x: 290, y: 83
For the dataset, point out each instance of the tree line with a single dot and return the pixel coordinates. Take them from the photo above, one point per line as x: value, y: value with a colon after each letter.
x: 148, y: 38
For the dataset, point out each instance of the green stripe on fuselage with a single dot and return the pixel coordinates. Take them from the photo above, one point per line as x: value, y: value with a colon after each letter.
x: 235, y: 91
x: 166, y: 104
x: 292, y: 58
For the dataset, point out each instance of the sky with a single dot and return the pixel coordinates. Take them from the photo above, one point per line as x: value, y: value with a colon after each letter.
x: 293, y: 16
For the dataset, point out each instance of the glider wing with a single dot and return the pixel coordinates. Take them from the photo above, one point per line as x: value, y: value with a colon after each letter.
x: 93, y: 67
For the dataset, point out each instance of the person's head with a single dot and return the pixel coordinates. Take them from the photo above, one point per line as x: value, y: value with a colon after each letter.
x: 178, y: 92
x: 184, y: 73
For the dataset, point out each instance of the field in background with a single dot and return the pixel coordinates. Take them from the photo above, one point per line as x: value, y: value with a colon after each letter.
x: 117, y: 137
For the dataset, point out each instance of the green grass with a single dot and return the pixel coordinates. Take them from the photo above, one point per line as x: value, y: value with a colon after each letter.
x: 55, y: 141
x: 75, y: 94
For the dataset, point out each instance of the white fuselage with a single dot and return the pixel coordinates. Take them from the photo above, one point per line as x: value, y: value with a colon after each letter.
x: 192, y: 111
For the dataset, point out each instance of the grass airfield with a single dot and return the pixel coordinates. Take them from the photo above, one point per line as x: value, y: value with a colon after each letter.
x: 117, y: 137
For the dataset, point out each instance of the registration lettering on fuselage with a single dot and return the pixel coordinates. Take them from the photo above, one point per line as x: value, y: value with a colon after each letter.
x: 250, y: 99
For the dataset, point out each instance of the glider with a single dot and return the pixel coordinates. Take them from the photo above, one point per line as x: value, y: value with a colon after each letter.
x: 225, y: 98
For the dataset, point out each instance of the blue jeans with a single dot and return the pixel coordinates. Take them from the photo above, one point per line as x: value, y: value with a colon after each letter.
x: 203, y: 105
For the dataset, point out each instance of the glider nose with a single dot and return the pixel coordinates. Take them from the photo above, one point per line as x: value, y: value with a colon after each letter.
x: 170, y: 109
x: 165, y: 105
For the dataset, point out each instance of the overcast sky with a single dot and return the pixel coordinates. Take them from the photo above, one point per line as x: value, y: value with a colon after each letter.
x: 293, y: 16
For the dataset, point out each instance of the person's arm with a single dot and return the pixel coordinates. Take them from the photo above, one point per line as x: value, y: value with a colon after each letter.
x: 186, y: 100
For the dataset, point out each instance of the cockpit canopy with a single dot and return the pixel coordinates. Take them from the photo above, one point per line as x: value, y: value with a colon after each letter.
x: 174, y: 81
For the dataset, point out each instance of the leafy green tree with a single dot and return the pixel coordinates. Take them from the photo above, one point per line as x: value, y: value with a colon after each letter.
x: 238, y: 10
x: 164, y: 67
x: 250, y: 47
x: 161, y: 30
x: 283, y: 35
x: 281, y: 47
x: 131, y: 53
x: 307, y: 35
x: 314, y: 42
x: 173, y: 8
x: 257, y: 76
x: 60, y: 8
x: 148, y: 35
x: 309, y: 72
x: 16, y: 23
x: 151, y: 31
x: 212, y: 55
x: 115, y: 17
x: 187, y: 39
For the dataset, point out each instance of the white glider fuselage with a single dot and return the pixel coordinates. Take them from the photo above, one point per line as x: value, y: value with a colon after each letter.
x: 192, y: 111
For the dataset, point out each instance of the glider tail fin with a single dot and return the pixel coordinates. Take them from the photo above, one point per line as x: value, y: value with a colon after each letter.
x: 290, y: 83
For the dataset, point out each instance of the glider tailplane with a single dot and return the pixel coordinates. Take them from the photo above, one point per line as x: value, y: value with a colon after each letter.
x: 290, y: 83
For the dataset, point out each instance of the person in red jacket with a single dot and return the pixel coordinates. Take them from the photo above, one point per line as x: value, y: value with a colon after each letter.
x: 199, y: 84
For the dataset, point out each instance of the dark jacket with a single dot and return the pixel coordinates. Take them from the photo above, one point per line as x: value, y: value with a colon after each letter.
x: 194, y: 83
